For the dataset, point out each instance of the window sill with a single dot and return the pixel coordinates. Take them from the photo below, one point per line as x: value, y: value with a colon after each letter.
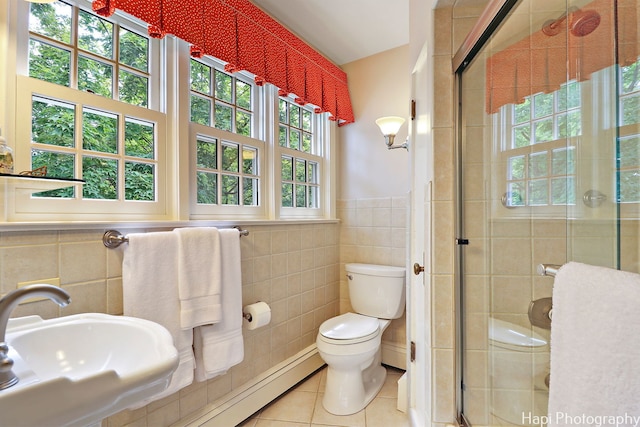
x: 126, y: 225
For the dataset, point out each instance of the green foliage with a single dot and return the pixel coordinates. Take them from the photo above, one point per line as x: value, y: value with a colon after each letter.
x: 207, y: 188
x: 629, y: 186
x: 139, y: 182
x: 95, y: 77
x: 52, y: 20
x: 230, y: 157
x: 200, y: 77
x: 230, y: 190
x: 49, y: 63
x: 200, y: 110
x: 287, y: 168
x: 58, y: 165
x: 543, y: 105
x: 243, y: 123
x: 543, y: 131
x: 224, y: 87
x: 243, y: 95
x: 53, y: 122
x: 95, y: 35
x: 134, y: 50
x: 139, y: 137
x: 631, y: 78
x: 287, y: 195
x: 99, y: 131
x: 249, y: 192
x: 101, y: 176
x: 223, y: 117
x: 133, y: 88
x: 207, y: 154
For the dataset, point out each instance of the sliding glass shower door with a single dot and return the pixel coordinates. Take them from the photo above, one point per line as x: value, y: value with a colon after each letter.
x: 549, y: 172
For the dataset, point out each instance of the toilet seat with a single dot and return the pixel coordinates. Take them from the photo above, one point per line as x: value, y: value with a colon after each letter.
x: 349, y: 328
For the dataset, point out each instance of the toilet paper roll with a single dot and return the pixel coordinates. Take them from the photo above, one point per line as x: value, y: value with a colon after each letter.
x: 256, y: 315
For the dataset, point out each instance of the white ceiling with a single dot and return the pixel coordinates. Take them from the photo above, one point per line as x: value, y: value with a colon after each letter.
x: 344, y: 30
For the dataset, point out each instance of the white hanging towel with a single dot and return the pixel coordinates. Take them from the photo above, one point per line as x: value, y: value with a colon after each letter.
x: 219, y: 347
x: 150, y: 291
x: 595, y: 349
x: 199, y: 276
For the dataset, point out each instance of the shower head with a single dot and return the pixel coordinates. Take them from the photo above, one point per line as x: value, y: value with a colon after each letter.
x: 581, y: 23
x: 584, y: 22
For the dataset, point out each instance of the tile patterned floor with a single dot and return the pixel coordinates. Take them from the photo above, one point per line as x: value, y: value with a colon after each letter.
x: 302, y: 407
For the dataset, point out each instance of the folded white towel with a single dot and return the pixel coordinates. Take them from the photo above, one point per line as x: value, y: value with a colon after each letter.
x: 199, y: 276
x: 594, y: 346
x: 150, y: 291
x: 219, y: 347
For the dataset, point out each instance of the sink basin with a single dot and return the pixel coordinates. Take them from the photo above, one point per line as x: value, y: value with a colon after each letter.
x: 77, y: 370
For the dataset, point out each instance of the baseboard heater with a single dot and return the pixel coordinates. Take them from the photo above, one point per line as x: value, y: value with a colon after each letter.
x: 241, y: 403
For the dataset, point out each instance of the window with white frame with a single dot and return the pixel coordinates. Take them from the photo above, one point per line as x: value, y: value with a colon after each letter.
x: 228, y: 158
x: 540, y: 143
x: 93, y: 90
x: 628, y: 155
x: 300, y: 149
x: 98, y: 94
x: 221, y: 100
x: 538, y: 148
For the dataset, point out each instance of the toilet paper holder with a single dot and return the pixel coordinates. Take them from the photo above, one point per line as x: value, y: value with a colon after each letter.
x: 247, y: 316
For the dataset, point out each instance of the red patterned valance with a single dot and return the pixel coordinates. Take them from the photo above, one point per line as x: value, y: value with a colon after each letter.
x: 542, y: 62
x: 244, y: 36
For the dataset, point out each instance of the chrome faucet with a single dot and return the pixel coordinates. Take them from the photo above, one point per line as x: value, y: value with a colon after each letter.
x: 7, y: 304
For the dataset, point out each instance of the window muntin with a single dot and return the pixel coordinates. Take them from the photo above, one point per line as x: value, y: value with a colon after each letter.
x: 71, y: 47
x: 117, y: 153
x: 541, y: 178
x: 90, y: 90
x: 228, y: 178
x: 538, y: 151
x: 300, y: 146
x: 113, y: 169
x: 221, y: 100
x: 629, y: 140
x: 295, y: 127
x: 89, y: 81
x: 300, y: 186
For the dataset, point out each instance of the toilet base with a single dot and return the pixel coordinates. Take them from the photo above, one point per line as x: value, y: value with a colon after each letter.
x: 348, y: 392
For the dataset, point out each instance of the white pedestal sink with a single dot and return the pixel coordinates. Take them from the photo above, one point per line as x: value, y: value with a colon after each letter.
x: 77, y: 370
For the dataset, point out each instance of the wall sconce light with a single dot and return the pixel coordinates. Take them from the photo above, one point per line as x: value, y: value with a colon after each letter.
x: 389, y: 126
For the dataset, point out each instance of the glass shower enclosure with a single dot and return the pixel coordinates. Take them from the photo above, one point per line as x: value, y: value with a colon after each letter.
x: 549, y: 172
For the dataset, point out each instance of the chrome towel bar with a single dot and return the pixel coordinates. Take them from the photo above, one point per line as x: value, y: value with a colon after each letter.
x: 548, y: 269
x: 113, y: 238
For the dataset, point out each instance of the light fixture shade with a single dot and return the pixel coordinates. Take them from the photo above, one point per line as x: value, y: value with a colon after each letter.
x: 389, y: 125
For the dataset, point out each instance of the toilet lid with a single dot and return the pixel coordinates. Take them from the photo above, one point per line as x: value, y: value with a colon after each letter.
x: 349, y: 326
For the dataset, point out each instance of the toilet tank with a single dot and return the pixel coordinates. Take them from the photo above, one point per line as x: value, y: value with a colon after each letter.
x: 376, y: 290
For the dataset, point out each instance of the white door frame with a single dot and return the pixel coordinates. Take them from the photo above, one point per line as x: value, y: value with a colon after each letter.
x: 419, y: 286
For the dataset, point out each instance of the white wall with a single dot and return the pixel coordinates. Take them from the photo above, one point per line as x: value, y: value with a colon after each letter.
x: 379, y: 86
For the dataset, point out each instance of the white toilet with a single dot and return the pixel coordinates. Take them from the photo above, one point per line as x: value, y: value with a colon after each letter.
x: 350, y: 343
